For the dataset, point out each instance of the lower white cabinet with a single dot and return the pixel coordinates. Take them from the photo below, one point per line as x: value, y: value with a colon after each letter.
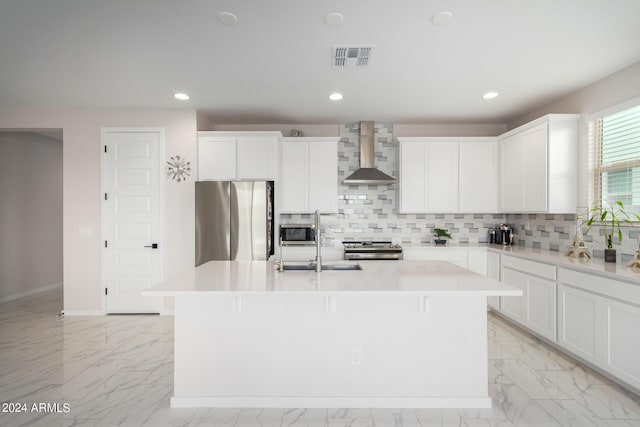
x: 536, y: 309
x: 601, y: 329
x: 622, y: 340
x: 514, y: 307
x: 541, y: 306
x: 477, y: 260
x: 493, y: 272
x: 580, y: 323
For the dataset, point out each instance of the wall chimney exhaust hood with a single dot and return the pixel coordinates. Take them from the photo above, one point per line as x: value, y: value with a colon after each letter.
x: 368, y: 174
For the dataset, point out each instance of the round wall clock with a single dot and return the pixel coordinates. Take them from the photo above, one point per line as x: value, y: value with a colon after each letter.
x: 178, y: 168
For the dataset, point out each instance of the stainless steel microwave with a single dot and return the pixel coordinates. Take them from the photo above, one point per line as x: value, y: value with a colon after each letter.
x: 297, y: 234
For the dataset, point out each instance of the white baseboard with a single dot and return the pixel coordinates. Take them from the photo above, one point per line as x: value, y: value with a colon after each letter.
x: 83, y: 313
x: 31, y: 292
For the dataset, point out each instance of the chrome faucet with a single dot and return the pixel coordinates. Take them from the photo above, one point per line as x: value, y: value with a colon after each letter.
x: 318, y: 244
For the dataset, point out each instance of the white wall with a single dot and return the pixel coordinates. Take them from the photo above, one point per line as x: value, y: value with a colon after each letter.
x: 608, y: 92
x: 285, y: 129
x: 456, y: 130
x: 334, y: 130
x: 81, y: 190
x: 30, y: 214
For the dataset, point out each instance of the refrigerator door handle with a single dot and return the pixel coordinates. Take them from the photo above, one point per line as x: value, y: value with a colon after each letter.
x: 233, y: 221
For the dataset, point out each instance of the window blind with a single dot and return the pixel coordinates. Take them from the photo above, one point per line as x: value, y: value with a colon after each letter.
x: 615, y: 158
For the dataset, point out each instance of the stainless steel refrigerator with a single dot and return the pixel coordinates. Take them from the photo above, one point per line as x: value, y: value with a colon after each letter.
x: 234, y: 220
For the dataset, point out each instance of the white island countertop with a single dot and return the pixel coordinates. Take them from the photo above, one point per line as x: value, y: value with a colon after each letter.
x: 420, y: 277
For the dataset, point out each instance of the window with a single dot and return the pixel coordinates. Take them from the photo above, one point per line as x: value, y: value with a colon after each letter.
x: 615, y: 158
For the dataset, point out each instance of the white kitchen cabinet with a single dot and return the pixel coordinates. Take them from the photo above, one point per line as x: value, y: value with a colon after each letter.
x: 599, y: 321
x: 257, y: 157
x: 442, y: 177
x: 493, y: 272
x: 514, y: 307
x: 541, y: 306
x: 309, y: 175
x: 216, y: 158
x: 448, y: 175
x: 538, y: 170
x: 478, y: 176
x: 477, y: 260
x: 536, y: 309
x: 413, y: 176
x: 428, y: 176
x: 512, y: 177
x: 238, y: 155
x: 622, y: 339
x: 580, y: 322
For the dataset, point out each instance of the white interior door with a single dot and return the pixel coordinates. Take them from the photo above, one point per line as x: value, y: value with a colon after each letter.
x: 131, y: 219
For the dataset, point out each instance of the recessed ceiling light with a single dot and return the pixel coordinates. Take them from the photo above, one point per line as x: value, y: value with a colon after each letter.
x: 490, y: 95
x: 181, y: 96
x: 442, y: 18
x: 335, y: 96
x: 227, y: 18
x: 334, y: 19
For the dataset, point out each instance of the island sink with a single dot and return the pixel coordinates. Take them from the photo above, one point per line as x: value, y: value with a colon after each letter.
x: 312, y: 267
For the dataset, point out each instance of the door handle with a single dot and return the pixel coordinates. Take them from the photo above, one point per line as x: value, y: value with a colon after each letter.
x: 152, y: 246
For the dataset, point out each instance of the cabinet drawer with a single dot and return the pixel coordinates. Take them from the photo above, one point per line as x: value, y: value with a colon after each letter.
x: 600, y: 285
x: 534, y: 268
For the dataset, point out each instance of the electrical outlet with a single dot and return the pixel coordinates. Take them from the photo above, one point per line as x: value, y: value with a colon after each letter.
x: 356, y: 356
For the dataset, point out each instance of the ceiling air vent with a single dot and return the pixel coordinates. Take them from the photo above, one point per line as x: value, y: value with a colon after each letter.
x: 352, y: 56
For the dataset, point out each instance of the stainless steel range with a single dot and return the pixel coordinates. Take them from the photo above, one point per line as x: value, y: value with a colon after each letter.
x: 372, y: 250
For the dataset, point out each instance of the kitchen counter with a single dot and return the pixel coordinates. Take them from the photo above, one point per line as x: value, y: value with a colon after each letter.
x: 396, y: 334
x: 597, y: 266
x: 426, y: 278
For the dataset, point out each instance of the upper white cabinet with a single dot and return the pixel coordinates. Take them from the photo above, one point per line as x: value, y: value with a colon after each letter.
x: 309, y: 179
x: 448, y: 175
x: 238, y: 155
x: 478, y: 176
x: 539, y: 165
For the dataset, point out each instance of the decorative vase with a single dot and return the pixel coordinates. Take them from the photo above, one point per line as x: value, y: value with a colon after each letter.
x: 635, y: 261
x: 609, y: 255
x: 440, y: 242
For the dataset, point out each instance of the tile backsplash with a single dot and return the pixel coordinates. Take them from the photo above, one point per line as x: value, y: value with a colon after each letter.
x: 556, y: 231
x: 371, y: 211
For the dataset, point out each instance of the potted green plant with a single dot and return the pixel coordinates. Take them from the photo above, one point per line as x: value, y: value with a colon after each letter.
x: 608, y: 215
x: 438, y: 234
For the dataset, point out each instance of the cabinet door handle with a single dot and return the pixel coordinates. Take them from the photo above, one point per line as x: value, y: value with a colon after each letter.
x: 152, y: 246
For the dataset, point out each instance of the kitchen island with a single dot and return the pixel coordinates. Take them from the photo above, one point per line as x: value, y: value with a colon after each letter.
x: 396, y: 334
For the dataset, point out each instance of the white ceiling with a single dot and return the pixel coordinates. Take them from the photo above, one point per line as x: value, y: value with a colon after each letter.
x: 274, y: 65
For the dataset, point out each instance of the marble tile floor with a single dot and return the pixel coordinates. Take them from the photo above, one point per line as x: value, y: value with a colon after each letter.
x: 118, y: 371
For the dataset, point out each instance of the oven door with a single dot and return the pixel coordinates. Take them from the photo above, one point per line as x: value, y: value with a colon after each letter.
x: 373, y: 255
